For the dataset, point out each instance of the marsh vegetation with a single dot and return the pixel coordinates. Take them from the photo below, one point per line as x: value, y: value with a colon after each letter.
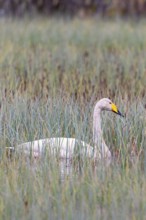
x: 52, y: 71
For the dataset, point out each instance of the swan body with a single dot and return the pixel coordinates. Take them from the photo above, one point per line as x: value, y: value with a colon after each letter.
x: 64, y: 147
x: 67, y: 147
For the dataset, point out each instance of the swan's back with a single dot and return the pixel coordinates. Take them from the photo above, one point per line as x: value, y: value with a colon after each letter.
x: 64, y: 147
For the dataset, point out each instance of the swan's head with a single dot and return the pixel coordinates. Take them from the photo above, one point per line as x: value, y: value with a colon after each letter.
x: 108, y: 105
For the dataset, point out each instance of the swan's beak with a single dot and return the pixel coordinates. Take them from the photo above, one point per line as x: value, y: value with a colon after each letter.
x: 115, y: 110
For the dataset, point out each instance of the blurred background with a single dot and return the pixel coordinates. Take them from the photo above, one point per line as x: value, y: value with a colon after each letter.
x: 74, y: 7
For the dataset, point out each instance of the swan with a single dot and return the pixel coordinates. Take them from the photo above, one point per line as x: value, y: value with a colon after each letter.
x: 67, y: 147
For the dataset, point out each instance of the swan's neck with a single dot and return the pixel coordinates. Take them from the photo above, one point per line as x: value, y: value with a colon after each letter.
x: 97, y: 133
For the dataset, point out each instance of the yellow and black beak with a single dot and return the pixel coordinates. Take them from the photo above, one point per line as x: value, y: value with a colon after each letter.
x: 115, y: 110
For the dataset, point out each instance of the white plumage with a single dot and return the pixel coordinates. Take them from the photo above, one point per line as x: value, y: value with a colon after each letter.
x: 64, y: 147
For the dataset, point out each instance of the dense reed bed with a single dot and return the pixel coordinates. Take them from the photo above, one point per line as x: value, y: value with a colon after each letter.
x: 52, y: 71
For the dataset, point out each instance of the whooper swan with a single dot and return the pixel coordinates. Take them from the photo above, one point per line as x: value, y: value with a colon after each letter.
x: 66, y: 147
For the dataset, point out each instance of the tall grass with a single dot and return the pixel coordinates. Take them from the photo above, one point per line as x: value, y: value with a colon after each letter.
x: 52, y: 72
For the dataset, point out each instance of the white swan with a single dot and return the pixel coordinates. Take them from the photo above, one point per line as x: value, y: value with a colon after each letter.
x: 67, y: 147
